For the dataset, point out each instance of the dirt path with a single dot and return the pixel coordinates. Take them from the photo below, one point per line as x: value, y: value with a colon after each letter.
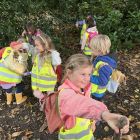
x: 23, y: 122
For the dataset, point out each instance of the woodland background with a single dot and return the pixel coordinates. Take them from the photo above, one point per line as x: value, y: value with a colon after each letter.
x: 119, y: 19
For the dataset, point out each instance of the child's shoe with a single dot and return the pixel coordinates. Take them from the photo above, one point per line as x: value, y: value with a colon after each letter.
x: 9, y: 98
x: 19, y: 98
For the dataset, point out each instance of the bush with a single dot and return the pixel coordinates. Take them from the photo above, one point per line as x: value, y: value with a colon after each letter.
x: 57, y: 18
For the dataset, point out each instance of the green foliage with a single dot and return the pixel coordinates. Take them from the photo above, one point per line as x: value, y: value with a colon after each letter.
x: 119, y: 19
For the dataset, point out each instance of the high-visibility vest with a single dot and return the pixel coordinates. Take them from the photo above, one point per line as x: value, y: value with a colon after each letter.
x: 87, y: 50
x: 84, y: 28
x: 81, y: 131
x: 96, y: 90
x: 7, y: 75
x: 44, y: 78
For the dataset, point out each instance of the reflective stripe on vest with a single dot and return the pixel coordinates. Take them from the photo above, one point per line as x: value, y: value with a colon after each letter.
x: 7, y: 75
x: 81, y: 131
x: 96, y: 88
x: 87, y: 50
x: 43, y: 79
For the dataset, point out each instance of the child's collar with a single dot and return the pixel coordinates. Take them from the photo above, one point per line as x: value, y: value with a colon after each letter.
x: 77, y: 90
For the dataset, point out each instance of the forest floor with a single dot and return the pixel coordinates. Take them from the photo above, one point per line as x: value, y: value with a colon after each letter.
x: 23, y: 122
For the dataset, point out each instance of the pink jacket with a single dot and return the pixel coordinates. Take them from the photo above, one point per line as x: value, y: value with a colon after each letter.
x: 74, y: 103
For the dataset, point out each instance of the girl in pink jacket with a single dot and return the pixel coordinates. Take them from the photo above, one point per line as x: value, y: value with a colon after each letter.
x: 77, y: 110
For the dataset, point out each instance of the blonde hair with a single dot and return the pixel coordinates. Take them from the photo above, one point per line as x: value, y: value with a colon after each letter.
x: 47, y: 45
x: 75, y: 62
x: 101, y: 43
x: 45, y: 41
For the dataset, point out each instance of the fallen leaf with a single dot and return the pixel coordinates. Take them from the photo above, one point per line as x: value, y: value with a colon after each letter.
x: 28, y: 133
x: 13, y: 111
x: 137, y: 125
x: 9, y: 137
x: 109, y: 138
x: 131, y: 118
x: 1, y: 130
x: 43, y: 127
x: 15, y: 134
x: 122, y: 109
x: 127, y: 137
x: 136, y: 90
x: 26, y: 117
x: 134, y: 135
x: 25, y: 138
x: 106, y: 128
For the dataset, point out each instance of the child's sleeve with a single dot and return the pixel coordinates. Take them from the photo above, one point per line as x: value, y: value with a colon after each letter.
x: 56, y: 59
x: 56, y: 62
x: 80, y: 106
x: 103, y: 77
x: 80, y: 23
x: 1, y: 52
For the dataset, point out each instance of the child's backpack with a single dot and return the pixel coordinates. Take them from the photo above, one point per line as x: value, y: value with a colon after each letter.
x: 16, y: 61
x: 91, y: 34
x: 51, y: 109
x: 59, y: 73
x: 116, y: 78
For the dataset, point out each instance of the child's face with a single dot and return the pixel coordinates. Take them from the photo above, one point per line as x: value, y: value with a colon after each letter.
x: 39, y: 46
x: 80, y: 77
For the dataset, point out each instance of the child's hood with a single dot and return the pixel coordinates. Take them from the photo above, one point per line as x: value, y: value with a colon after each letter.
x: 111, y: 60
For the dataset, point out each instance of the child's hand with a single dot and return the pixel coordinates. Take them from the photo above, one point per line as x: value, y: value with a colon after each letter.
x: 114, y: 121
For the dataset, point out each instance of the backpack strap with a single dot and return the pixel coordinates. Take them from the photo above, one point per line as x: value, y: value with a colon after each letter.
x: 57, y: 106
x: 103, y: 64
x: 57, y: 101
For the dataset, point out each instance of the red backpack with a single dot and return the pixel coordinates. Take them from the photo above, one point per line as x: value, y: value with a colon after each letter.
x: 52, y: 113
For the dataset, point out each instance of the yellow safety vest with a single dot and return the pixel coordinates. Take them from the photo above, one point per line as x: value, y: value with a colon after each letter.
x: 44, y: 78
x: 87, y: 50
x: 7, y: 75
x: 96, y: 88
x: 84, y: 28
x: 81, y: 131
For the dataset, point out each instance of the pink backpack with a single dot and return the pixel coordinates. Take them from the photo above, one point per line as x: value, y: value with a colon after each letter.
x: 91, y: 35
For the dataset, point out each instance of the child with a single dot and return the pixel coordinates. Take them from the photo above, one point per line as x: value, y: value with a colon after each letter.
x: 10, y: 81
x: 103, y: 64
x: 47, y: 61
x: 83, y: 25
x: 90, y: 32
x: 30, y: 31
x: 77, y: 109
